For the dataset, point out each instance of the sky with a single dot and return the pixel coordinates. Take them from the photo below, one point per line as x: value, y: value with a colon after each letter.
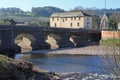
x: 67, y: 5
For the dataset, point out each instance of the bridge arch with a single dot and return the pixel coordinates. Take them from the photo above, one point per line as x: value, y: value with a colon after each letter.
x: 78, y: 40
x: 25, y: 41
x: 72, y: 39
x: 61, y: 40
x: 53, y: 40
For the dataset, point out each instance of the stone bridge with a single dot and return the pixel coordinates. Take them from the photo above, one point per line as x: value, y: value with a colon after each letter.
x: 11, y: 35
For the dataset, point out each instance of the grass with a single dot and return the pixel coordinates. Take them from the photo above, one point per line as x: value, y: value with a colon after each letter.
x: 31, y: 19
x: 111, y: 42
x: 4, y: 59
x: 26, y: 18
x: 3, y: 62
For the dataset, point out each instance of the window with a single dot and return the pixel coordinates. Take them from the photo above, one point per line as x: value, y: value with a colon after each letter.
x: 63, y: 20
x: 57, y: 19
x: 87, y: 18
x: 78, y: 24
x: 53, y: 19
x: 70, y: 24
x: 66, y: 19
x: 87, y: 25
x: 55, y: 24
x: 74, y: 18
x: 105, y: 26
x: 79, y: 18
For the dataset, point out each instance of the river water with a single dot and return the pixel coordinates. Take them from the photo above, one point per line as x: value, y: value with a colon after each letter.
x: 85, y: 64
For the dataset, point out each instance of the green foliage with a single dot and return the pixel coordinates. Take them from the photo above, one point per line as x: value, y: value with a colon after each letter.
x: 45, y: 11
x: 95, y: 22
x: 111, y: 42
x: 114, y: 19
x: 8, y: 22
x: 9, y: 16
x: 3, y: 61
x: 32, y: 20
x: 4, y: 22
x: 112, y: 24
x: 12, y: 22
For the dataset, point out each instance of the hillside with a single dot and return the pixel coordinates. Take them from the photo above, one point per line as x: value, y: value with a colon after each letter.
x: 45, y: 11
x: 48, y: 10
x: 37, y: 14
x: 42, y: 14
x: 97, y: 11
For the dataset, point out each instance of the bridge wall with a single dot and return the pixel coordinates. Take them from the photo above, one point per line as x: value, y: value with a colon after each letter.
x: 110, y: 34
x: 63, y: 39
x: 38, y: 36
x: 7, y: 42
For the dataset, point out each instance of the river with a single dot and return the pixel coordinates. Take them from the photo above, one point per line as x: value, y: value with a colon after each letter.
x: 63, y: 63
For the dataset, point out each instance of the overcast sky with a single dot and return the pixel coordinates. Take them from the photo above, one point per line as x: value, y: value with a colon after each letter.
x: 26, y: 5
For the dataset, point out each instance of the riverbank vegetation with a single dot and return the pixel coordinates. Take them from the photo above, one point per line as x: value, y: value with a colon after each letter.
x: 3, y: 60
x: 114, y: 42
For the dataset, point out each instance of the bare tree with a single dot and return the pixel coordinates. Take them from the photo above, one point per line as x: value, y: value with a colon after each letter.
x: 111, y: 61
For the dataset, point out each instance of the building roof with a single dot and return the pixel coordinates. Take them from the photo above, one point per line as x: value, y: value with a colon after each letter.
x: 69, y: 14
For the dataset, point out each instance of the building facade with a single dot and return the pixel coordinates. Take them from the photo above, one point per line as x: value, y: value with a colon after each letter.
x: 104, y: 22
x: 71, y: 20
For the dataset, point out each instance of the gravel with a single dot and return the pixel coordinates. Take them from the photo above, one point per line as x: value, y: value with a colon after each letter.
x: 89, y: 50
x: 88, y: 76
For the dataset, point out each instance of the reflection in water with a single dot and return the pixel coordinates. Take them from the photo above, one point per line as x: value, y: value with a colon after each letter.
x: 64, y: 63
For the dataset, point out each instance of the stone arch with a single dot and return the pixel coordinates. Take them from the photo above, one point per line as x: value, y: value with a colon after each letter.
x: 25, y: 41
x: 78, y: 40
x: 53, y: 40
x: 72, y: 39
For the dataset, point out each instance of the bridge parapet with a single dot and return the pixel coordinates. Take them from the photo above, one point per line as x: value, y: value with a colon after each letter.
x: 73, y: 30
x: 47, y: 29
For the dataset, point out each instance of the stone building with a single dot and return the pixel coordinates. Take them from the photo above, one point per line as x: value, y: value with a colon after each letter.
x: 104, y: 22
x: 71, y: 20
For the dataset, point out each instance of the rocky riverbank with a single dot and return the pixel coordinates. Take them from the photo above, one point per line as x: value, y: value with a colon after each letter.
x: 11, y: 69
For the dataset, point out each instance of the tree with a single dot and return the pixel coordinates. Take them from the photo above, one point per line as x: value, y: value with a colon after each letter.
x: 45, y: 11
x: 111, y: 61
x: 12, y: 22
x: 96, y: 22
x: 114, y: 19
x: 112, y: 24
x: 9, y: 21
